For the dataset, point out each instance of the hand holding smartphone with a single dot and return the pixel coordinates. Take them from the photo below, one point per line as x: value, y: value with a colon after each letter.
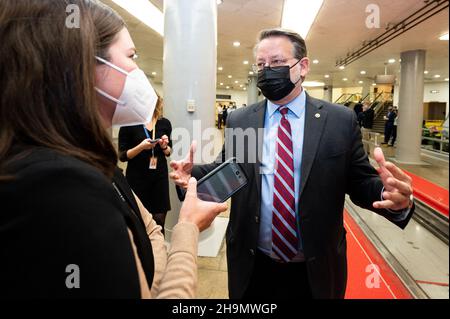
x: 222, y: 183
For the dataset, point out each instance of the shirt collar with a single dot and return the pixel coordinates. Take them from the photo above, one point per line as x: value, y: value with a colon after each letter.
x: 296, y: 106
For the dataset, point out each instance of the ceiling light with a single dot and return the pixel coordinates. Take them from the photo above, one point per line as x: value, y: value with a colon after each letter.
x: 228, y: 88
x: 326, y: 76
x: 391, y: 61
x: 245, y: 62
x: 344, y: 79
x: 313, y: 84
x: 230, y: 76
x: 300, y: 15
x: 361, y: 82
x: 444, y: 37
x: 154, y: 73
x: 220, y: 68
x: 251, y: 73
x: 236, y: 44
x: 374, y: 84
x: 425, y: 72
x: 242, y: 85
x: 146, y: 12
x: 446, y: 79
x: 316, y: 61
x: 437, y: 76
x: 236, y: 81
x: 363, y: 72
x: 245, y: 89
x: 342, y: 67
x: 221, y: 84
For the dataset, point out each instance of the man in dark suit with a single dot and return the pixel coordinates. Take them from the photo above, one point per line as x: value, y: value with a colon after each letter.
x: 286, y: 237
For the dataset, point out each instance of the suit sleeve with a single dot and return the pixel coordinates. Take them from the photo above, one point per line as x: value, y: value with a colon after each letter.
x: 364, y: 184
x: 125, y: 143
x: 70, y: 238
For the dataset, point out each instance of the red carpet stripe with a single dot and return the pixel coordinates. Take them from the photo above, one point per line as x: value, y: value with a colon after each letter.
x: 430, y: 193
x: 361, y: 255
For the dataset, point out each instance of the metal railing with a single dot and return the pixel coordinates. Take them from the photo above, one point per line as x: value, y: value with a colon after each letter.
x: 441, y: 140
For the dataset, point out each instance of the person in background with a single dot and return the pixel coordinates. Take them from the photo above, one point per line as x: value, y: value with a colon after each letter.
x: 224, y: 115
x: 394, y: 128
x: 360, y: 116
x: 145, y: 148
x: 70, y: 225
x: 368, y: 116
x: 219, y: 116
x: 389, y: 125
x: 358, y: 108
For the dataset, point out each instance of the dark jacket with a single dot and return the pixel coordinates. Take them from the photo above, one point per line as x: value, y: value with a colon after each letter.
x: 334, y: 164
x: 59, y: 211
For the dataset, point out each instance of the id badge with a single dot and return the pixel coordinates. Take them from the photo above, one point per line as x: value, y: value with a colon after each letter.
x: 153, y: 162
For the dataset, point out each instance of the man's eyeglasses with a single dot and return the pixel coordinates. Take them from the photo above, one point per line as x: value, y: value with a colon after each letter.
x: 257, y: 67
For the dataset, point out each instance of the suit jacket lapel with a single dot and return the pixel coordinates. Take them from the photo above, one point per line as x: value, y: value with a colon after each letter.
x: 256, y: 121
x: 315, y: 119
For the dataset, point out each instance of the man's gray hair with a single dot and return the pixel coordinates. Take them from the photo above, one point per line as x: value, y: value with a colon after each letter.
x: 297, y: 41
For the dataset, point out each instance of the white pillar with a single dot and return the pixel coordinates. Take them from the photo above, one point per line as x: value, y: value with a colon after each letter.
x: 410, y: 107
x: 328, y: 93
x: 252, y: 90
x: 190, y: 60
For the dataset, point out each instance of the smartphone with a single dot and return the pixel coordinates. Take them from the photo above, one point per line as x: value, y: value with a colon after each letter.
x: 222, y: 183
x: 154, y: 141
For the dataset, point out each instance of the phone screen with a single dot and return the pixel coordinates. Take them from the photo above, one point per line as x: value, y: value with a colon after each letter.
x: 222, y: 183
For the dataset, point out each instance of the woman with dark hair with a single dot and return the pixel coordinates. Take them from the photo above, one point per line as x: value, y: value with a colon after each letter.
x: 70, y: 225
x: 147, y: 171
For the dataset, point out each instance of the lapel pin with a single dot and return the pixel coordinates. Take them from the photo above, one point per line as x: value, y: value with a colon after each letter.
x: 317, y: 115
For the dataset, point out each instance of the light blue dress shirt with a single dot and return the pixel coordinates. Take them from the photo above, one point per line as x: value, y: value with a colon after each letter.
x: 296, y: 118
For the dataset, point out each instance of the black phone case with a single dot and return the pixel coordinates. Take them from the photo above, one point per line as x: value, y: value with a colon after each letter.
x: 218, y: 168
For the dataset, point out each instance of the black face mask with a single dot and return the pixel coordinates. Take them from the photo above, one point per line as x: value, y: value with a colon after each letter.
x: 275, y: 83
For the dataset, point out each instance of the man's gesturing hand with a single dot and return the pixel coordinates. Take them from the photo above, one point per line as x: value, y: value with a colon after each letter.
x: 182, y: 169
x: 397, y: 185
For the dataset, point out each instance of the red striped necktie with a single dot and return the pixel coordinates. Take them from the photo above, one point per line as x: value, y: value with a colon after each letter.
x: 284, y: 234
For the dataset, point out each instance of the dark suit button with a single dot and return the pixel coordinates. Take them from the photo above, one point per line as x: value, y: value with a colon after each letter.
x: 257, y: 219
x: 252, y: 252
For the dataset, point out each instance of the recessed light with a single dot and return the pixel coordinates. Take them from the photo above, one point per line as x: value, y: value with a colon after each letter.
x: 437, y: 76
x: 242, y: 85
x: 221, y: 84
x: 342, y: 67
x: 251, y: 73
x: 316, y: 61
x: 374, y: 84
x: 446, y: 79
x: 425, y: 72
x: 220, y: 68
x: 227, y: 87
x: 245, y: 62
x: 326, y: 76
x: 154, y: 73
x: 344, y: 79
x: 230, y: 76
x: 363, y: 72
x: 236, y: 81
x: 361, y: 82
x: 245, y: 89
x: 391, y: 61
x: 444, y: 37
x: 236, y: 44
